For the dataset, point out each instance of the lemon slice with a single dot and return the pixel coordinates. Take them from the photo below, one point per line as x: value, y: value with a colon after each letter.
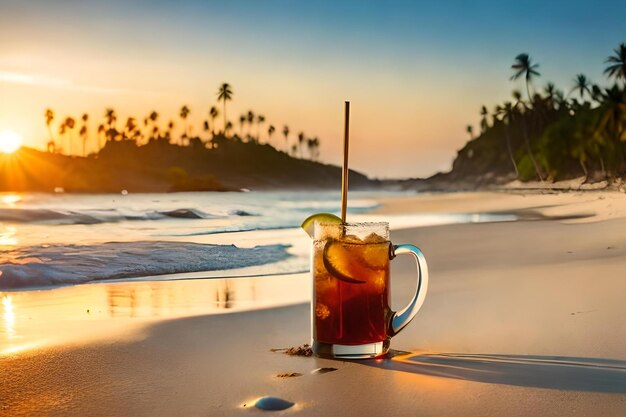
x: 309, y: 223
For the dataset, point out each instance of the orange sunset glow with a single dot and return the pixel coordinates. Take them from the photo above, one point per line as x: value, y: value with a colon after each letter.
x: 412, y: 84
x: 9, y: 141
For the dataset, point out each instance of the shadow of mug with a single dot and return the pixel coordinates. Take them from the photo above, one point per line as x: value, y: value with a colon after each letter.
x: 553, y: 372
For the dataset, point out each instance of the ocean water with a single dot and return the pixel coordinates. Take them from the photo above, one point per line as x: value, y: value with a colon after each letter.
x: 57, y: 239
x: 60, y: 239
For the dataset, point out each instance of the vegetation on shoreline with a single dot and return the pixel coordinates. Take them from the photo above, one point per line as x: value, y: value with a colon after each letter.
x: 546, y: 134
x: 550, y: 134
x: 230, y: 164
x: 151, y: 130
x: 151, y: 158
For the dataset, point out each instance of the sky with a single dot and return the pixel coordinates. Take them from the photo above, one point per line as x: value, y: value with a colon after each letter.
x: 416, y: 72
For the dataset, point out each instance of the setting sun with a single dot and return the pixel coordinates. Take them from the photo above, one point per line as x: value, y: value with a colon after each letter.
x: 9, y: 141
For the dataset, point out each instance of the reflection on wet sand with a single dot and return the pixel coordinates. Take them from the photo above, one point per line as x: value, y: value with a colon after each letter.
x: 9, y: 316
x: 122, y: 302
x: 156, y: 300
x: 44, y: 317
x: 225, y: 295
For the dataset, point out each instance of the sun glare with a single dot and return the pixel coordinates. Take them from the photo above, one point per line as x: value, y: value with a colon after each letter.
x: 9, y: 141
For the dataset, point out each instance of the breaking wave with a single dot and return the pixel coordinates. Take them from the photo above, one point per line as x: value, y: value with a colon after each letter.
x: 60, y: 217
x: 51, y: 265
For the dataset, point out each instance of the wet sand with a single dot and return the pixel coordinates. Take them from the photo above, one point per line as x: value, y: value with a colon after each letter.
x: 522, y: 318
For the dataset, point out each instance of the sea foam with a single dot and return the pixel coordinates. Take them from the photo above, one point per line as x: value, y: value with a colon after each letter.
x: 49, y: 265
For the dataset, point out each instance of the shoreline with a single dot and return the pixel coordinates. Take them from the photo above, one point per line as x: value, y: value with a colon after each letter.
x: 594, y: 205
x: 497, y: 329
x: 101, y: 310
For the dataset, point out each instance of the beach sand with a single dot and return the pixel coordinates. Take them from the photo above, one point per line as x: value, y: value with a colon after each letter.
x: 522, y: 318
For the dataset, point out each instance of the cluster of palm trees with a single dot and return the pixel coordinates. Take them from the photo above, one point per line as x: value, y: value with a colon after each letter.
x: 152, y: 130
x: 66, y: 128
x: 552, y: 134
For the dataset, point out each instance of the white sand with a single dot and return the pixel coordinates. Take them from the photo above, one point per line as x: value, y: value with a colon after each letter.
x: 552, y: 289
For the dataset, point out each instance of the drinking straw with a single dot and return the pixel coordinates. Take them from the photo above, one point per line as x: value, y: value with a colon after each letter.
x: 344, y: 176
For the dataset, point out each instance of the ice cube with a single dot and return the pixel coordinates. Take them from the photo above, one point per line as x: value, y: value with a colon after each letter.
x: 354, y: 239
x: 374, y: 238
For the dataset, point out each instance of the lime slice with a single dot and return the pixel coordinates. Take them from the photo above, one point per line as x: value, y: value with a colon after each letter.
x: 309, y: 223
x: 342, y: 264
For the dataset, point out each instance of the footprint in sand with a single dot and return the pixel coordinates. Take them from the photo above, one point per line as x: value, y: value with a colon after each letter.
x: 288, y: 375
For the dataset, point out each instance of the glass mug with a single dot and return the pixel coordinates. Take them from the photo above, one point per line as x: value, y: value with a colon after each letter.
x: 350, y: 313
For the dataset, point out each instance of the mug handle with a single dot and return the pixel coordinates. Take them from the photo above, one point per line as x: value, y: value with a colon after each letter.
x: 401, y: 318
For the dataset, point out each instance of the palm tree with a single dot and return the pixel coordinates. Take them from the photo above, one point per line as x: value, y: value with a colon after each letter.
x: 229, y: 127
x: 316, y: 144
x: 507, y: 111
x: 524, y: 66
x: 69, y: 123
x: 213, y: 112
x: 83, y: 132
x: 100, y: 132
x: 484, y: 123
x: 184, y: 113
x: 520, y: 109
x: 550, y: 90
x: 497, y: 110
x: 582, y: 85
x: 613, y: 122
x: 130, y: 127
x: 83, y: 136
x: 559, y: 98
x: 270, y: 131
x: 153, y: 117
x: 136, y: 133
x: 596, y: 93
x: 286, y: 135
x: 470, y: 130
x: 49, y: 118
x: 170, y: 130
x: 111, y: 117
x: 250, y: 119
x: 259, y: 120
x: 313, y: 146
x: 517, y: 96
x: 300, y: 142
x: 310, y: 143
x: 225, y: 93
x: 242, y: 121
x: 617, y: 67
